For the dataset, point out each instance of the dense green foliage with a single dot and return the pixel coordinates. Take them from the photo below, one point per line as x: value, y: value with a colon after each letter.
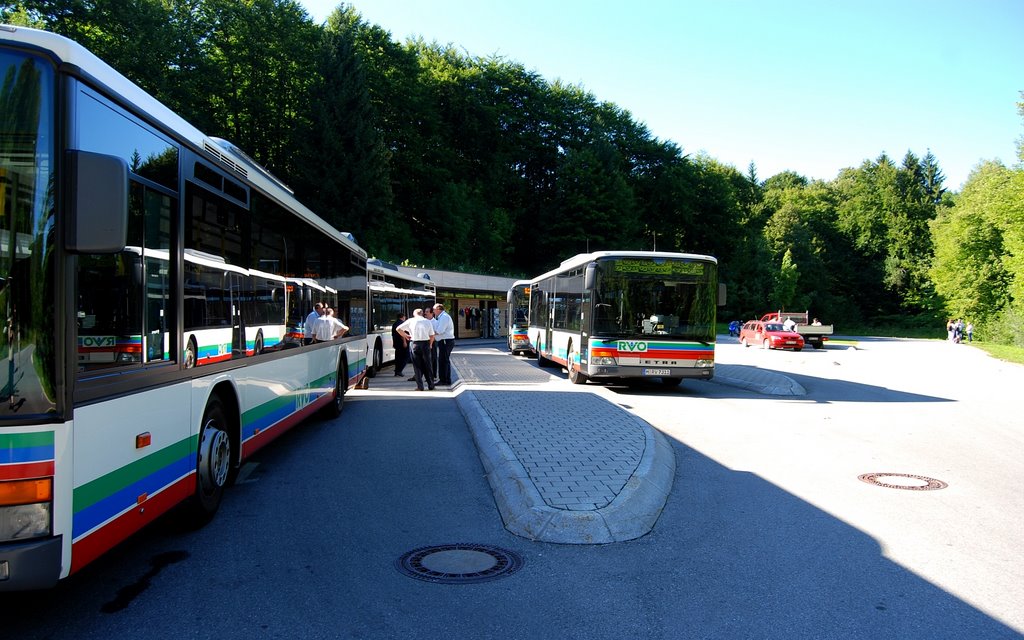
x: 432, y: 156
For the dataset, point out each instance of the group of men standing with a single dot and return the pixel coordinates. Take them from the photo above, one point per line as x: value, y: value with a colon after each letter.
x: 427, y: 338
x: 322, y: 325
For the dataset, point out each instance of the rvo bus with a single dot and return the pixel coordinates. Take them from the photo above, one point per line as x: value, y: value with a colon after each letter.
x: 391, y: 292
x: 619, y: 314
x: 518, y: 318
x: 150, y: 278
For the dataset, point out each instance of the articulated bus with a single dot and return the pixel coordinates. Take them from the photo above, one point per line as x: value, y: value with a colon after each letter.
x: 518, y: 318
x: 391, y: 292
x: 153, y: 286
x: 618, y: 314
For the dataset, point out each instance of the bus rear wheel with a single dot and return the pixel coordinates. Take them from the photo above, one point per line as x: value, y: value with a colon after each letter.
x: 376, y: 362
x: 333, y: 410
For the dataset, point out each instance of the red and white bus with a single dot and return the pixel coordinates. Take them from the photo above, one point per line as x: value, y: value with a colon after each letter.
x: 153, y: 286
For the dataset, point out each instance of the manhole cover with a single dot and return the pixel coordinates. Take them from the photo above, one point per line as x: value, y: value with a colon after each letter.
x: 458, y: 563
x: 902, y: 481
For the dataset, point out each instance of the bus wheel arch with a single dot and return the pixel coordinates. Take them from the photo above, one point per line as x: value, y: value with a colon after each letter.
x: 258, y: 348
x: 575, y: 375
x: 191, y: 352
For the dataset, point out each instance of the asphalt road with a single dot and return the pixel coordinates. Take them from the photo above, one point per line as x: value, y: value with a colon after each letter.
x: 768, y: 532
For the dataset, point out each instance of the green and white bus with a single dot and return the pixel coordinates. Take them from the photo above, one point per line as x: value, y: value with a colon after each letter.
x: 153, y: 284
x: 391, y: 292
x: 518, y: 318
x: 627, y: 314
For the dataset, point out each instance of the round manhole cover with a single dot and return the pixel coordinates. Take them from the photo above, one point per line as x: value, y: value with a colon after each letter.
x: 902, y: 481
x: 458, y: 563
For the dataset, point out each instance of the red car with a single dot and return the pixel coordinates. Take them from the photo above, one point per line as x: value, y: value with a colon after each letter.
x: 770, y: 335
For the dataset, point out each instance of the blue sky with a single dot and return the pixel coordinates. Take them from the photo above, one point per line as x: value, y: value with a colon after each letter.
x: 808, y: 86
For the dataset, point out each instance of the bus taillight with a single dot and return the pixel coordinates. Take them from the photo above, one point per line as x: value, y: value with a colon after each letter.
x: 25, y: 507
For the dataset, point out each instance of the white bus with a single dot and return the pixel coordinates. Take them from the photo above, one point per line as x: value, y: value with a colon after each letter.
x: 518, y: 318
x: 627, y: 314
x: 391, y: 292
x: 153, y: 286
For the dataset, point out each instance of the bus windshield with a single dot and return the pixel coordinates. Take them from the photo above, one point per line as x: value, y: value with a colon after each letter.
x: 520, y: 306
x: 27, y: 371
x: 638, y: 297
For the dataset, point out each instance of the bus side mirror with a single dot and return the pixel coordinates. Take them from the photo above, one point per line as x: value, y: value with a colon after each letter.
x: 721, y: 295
x: 97, y: 203
x: 590, y: 276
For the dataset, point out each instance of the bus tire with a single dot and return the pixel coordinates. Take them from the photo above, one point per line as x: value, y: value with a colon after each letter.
x: 543, y: 362
x: 334, y: 408
x: 190, y: 353
x: 376, y: 361
x: 258, y: 349
x: 575, y: 375
x: 213, y: 463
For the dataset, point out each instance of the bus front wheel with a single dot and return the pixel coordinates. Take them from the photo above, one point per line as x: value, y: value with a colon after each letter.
x: 213, y: 463
x: 575, y: 375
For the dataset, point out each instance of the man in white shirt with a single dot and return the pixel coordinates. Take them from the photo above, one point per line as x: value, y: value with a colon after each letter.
x: 445, y: 328
x: 420, y: 333
x: 327, y: 327
x: 307, y: 328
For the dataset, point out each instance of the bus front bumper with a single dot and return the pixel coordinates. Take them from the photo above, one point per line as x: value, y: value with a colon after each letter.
x: 702, y: 373
x: 34, y: 564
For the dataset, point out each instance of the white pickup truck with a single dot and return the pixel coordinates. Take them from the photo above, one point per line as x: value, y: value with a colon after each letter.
x: 813, y: 332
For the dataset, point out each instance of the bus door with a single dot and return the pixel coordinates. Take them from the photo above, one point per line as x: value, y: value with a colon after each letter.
x: 234, y: 283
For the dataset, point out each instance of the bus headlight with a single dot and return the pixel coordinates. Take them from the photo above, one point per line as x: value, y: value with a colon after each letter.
x: 25, y: 509
x: 602, y: 361
x: 25, y: 521
x: 704, y: 364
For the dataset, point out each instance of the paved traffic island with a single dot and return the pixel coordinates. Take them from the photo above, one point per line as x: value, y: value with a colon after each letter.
x: 565, y: 466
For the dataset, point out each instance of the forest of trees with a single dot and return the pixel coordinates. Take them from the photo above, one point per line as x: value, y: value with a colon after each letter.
x: 431, y: 156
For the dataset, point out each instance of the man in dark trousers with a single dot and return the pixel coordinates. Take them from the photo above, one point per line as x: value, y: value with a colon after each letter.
x: 420, y: 333
x: 445, y: 339
x: 401, y: 346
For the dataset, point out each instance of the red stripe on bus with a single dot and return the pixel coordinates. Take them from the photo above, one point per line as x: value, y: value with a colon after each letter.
x: 26, y: 470
x: 103, y: 539
x: 263, y: 438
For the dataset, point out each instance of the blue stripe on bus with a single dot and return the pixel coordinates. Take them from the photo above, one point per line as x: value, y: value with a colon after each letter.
x: 26, y: 454
x: 96, y: 514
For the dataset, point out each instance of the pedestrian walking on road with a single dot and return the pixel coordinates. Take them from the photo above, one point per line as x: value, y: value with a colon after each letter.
x: 445, y: 327
x: 420, y: 334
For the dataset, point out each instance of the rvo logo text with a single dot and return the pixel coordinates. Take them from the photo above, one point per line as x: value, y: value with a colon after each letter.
x: 632, y: 345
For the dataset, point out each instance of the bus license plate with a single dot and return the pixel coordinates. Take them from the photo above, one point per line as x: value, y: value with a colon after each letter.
x: 657, y: 372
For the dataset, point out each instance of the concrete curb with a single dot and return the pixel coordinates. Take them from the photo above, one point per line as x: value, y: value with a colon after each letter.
x: 768, y: 383
x: 631, y: 514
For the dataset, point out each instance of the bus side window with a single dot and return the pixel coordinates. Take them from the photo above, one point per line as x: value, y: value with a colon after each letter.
x: 124, y: 307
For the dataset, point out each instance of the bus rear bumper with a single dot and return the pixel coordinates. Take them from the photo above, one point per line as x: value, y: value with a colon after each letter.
x: 34, y: 564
